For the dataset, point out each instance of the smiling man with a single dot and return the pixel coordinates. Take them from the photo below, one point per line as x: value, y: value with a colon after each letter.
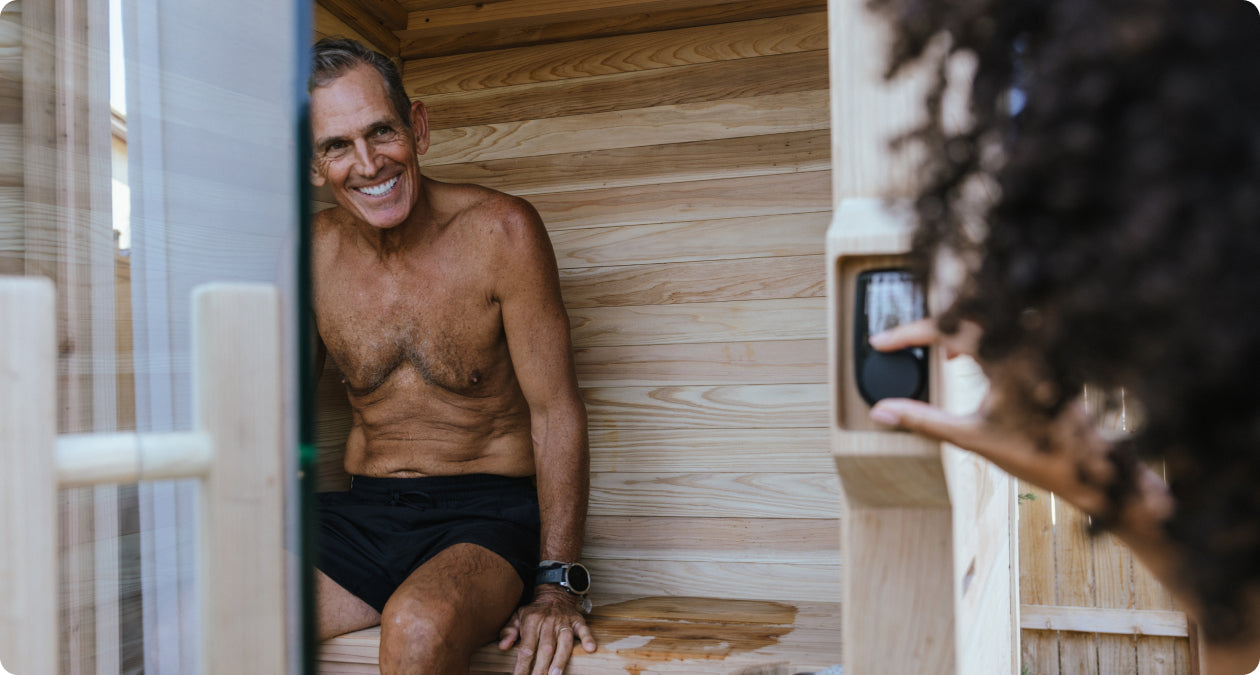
x: 440, y: 304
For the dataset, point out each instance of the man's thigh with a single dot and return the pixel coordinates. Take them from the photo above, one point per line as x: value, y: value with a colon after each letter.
x: 467, y: 592
x: 339, y: 611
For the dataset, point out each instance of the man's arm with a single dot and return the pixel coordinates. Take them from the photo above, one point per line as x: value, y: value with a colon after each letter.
x: 537, y: 329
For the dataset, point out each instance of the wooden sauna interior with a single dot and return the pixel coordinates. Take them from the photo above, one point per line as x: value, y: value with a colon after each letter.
x: 679, y: 154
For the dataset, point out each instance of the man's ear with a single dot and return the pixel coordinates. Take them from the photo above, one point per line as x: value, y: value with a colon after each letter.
x: 420, y: 126
x: 317, y: 176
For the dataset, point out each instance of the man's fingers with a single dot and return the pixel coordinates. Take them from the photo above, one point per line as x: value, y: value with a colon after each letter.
x: 564, y: 647
x: 507, y: 636
x: 546, y: 649
x: 529, y: 646
x: 914, y: 334
x: 588, y: 638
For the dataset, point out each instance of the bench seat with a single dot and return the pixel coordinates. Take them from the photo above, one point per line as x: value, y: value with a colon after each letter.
x: 675, y: 635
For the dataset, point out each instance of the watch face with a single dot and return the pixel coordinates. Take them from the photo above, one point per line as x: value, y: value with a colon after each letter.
x: 579, y: 579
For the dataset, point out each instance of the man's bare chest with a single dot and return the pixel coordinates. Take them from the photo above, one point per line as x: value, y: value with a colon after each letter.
x: 448, y: 331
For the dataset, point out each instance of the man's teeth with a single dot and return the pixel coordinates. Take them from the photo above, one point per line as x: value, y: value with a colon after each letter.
x: 378, y: 190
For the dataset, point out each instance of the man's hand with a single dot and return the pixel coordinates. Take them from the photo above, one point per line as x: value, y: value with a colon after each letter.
x: 545, y: 628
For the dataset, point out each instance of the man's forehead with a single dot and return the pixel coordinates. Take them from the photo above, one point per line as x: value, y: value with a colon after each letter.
x: 353, y: 101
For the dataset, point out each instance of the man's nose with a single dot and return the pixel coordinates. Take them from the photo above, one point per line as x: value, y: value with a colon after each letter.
x: 365, y: 158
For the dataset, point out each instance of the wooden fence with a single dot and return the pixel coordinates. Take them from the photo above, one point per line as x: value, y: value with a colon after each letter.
x: 1089, y: 608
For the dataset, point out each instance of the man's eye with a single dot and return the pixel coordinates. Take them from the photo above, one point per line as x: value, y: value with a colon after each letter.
x: 335, y: 148
x: 383, y: 132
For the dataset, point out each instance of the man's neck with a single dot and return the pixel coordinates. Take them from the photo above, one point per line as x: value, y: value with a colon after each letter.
x: 393, y: 242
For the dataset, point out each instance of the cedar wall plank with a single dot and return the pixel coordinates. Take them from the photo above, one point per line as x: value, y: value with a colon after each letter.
x: 805, y: 71
x: 778, y: 540
x: 417, y: 45
x: 378, y: 36
x: 510, y: 13
x: 808, y: 192
x: 779, y: 582
x: 648, y: 166
x: 740, y: 320
x: 328, y: 25
x: 703, y: 281
x: 707, y: 120
x: 761, y: 236
x: 769, y: 362
x: 618, y: 54
x: 627, y: 451
x: 11, y: 173
x: 716, y: 495
x: 765, y: 406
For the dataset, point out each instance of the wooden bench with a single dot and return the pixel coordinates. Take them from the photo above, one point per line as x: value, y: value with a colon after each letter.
x: 662, y: 635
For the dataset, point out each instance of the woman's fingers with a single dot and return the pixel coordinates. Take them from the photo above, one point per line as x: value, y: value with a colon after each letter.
x: 914, y: 334
x: 925, y: 332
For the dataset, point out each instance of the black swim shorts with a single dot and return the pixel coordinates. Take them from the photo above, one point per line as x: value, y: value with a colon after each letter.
x: 374, y: 536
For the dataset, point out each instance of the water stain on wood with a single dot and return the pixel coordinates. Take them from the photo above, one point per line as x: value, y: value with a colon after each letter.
x: 676, y: 629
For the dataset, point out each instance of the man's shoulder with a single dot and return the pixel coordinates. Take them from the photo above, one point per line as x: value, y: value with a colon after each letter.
x: 498, y: 212
x: 486, y: 201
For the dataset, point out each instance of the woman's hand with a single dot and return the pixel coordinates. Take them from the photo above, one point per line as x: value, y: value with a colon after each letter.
x: 1066, y: 455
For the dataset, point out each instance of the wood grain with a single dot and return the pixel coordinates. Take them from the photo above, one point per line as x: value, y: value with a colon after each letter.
x: 706, y: 120
x: 1156, y: 654
x: 629, y: 451
x: 617, y: 54
x: 805, y: 71
x: 782, y: 582
x: 716, y: 495
x: 28, y: 424
x: 680, y: 283
x: 242, y: 555
x: 735, y: 321
x: 769, y: 406
x: 767, y: 362
x: 420, y: 44
x: 648, y: 165
x: 1114, y: 622
x: 328, y: 25
x: 764, y: 540
x: 779, y: 236
x: 378, y: 35
x: 1075, y: 583
x: 657, y: 634
x: 516, y: 13
x: 1040, y: 649
x: 390, y: 13
x: 11, y: 173
x: 807, y: 192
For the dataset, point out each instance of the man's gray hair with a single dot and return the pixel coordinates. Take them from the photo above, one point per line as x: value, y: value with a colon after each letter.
x: 334, y: 56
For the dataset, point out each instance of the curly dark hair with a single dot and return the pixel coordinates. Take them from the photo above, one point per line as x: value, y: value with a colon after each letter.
x: 1119, y: 142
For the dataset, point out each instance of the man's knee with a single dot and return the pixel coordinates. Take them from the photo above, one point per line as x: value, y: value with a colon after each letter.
x: 412, y: 629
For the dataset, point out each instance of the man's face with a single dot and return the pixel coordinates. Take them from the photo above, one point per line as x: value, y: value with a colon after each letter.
x: 364, y: 151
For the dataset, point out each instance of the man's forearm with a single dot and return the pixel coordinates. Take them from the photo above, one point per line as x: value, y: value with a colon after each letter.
x: 562, y: 461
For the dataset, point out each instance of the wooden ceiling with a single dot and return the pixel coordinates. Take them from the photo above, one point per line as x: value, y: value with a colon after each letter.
x: 415, y: 29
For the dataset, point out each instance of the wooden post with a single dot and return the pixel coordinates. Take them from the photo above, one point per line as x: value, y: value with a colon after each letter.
x: 926, y: 545
x: 28, y: 484
x: 927, y: 537
x: 238, y: 402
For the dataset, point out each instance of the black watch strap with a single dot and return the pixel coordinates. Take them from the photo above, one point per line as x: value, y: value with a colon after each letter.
x: 572, y: 577
x: 550, y: 575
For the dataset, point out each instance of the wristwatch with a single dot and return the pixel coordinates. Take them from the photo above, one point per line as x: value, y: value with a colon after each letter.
x: 572, y: 577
